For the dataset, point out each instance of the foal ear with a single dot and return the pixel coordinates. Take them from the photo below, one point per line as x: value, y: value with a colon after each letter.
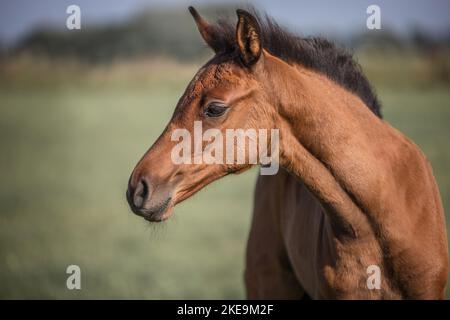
x: 206, y: 30
x: 248, y: 37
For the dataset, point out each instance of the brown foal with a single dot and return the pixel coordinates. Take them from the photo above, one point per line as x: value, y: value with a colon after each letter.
x: 352, y: 191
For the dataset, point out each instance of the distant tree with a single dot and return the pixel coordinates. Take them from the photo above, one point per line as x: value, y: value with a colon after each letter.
x: 168, y: 32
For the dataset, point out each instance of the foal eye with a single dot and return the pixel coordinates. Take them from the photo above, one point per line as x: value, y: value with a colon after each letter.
x: 215, y: 109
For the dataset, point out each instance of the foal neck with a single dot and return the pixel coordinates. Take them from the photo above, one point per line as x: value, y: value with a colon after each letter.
x: 321, y: 126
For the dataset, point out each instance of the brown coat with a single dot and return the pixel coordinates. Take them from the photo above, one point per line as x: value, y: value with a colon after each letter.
x: 353, y: 192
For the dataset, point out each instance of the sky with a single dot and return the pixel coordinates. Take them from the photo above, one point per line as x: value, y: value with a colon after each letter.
x: 18, y: 17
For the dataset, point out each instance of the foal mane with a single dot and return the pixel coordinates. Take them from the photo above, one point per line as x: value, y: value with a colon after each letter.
x: 315, y: 53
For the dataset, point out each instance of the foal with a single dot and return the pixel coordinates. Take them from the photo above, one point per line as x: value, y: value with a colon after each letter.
x: 353, y: 192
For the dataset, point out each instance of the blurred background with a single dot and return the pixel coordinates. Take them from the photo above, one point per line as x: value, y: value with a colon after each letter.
x: 78, y: 108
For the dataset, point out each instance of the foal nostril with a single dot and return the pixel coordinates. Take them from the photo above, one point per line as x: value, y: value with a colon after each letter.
x: 141, y: 193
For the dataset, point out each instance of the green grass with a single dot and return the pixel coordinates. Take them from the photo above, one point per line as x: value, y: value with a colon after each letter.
x: 66, y: 158
x: 67, y: 149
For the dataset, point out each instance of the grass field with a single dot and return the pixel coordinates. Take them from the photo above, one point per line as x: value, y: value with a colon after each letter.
x: 69, y: 140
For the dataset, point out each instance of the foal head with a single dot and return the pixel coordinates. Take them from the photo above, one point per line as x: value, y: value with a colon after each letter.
x: 226, y: 93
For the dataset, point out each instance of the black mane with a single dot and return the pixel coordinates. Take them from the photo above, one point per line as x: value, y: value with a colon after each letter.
x: 314, y: 53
